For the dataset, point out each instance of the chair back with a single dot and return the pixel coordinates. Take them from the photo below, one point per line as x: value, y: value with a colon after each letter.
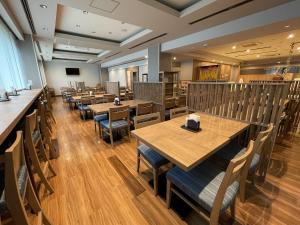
x: 146, y: 120
x: 31, y: 123
x: 170, y: 103
x: 119, y: 113
x: 232, y: 174
x: 97, y: 100
x: 86, y: 100
x: 144, y: 108
x: 177, y: 112
x: 108, y: 98
x: 181, y: 101
x: 262, y: 137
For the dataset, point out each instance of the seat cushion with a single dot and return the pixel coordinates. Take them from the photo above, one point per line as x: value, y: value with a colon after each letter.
x: 202, y: 184
x: 115, y: 124
x: 99, y: 118
x: 155, y: 159
x: 233, y: 150
x: 83, y: 107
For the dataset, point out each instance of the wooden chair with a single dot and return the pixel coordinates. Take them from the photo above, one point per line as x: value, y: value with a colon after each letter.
x: 35, y: 145
x: 118, y: 119
x: 181, y: 101
x: 108, y: 98
x: 83, y: 105
x: 213, y: 189
x: 177, y: 112
x: 170, y: 103
x: 18, y: 186
x: 144, y: 108
x: 233, y: 151
x: 150, y: 157
x: 100, y: 117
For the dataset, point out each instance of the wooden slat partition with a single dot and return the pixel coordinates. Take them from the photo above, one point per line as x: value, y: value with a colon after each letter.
x: 113, y: 88
x: 256, y: 103
x: 149, y: 91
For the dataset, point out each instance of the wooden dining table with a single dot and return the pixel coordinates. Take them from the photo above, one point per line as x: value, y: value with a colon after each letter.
x: 78, y: 97
x: 187, y: 149
x: 104, y: 107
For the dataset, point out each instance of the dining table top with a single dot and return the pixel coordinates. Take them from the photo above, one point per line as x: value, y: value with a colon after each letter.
x: 78, y: 97
x: 187, y: 149
x: 104, y: 107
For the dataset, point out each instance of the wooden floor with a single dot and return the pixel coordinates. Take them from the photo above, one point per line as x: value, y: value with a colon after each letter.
x: 99, y: 185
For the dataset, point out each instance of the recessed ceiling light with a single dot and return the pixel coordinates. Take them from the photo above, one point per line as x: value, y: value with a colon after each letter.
x: 257, y: 56
x: 298, y: 48
x: 248, y: 50
x: 85, y: 12
x: 174, y: 58
x: 234, y: 47
x: 146, y: 57
x: 291, y: 36
x: 77, y: 25
x: 109, y: 32
x: 287, y: 26
x: 43, y: 6
x: 204, y: 45
x: 213, y: 60
x: 278, y: 62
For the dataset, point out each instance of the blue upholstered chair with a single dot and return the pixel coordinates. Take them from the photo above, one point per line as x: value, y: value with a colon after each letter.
x: 207, y: 187
x: 234, y: 150
x: 83, y: 105
x: 100, y: 117
x: 18, y: 186
x: 118, y: 119
x: 152, y: 159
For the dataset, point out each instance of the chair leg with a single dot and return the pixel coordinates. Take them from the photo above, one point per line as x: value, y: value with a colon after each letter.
x: 100, y: 131
x: 138, y: 161
x: 169, y: 193
x: 95, y: 126
x: 232, y: 209
x: 155, y: 180
x: 32, y: 199
x: 243, y: 190
x: 42, y: 150
x: 111, y: 139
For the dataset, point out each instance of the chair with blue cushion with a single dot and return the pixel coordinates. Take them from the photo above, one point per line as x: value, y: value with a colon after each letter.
x: 233, y: 150
x: 18, y: 187
x: 151, y: 158
x: 207, y: 188
x: 83, y: 105
x: 99, y: 117
x: 118, y: 120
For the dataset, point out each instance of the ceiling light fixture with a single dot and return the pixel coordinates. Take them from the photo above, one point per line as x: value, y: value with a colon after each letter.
x: 77, y: 25
x: 298, y: 48
x: 146, y: 57
x: 287, y: 26
x: 278, y: 62
x: 248, y: 50
x: 234, y: 47
x: 85, y: 12
x: 109, y: 32
x: 257, y: 56
x: 43, y: 6
x: 291, y: 36
x: 174, y: 58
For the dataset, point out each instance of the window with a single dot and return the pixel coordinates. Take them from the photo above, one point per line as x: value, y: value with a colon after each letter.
x: 11, y: 71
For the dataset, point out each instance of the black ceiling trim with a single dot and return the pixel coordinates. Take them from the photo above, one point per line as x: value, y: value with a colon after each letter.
x: 28, y: 15
x: 221, y: 11
x: 70, y: 51
x: 78, y: 60
x: 86, y: 36
x: 151, y: 39
x: 112, y: 55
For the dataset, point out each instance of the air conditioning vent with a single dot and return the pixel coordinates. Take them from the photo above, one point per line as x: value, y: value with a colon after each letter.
x: 221, y: 11
x: 28, y: 15
x: 151, y: 39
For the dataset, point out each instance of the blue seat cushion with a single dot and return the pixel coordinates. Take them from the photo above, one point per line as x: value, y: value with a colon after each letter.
x: 99, y: 118
x: 155, y: 159
x: 233, y: 150
x: 115, y: 124
x: 83, y: 107
x: 202, y: 184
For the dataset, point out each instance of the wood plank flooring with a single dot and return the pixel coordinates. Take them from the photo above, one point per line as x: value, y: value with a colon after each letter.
x: 99, y: 185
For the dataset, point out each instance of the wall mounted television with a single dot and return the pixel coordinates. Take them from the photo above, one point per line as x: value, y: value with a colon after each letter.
x: 72, y: 71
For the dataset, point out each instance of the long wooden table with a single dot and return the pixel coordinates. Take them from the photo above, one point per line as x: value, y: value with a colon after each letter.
x: 185, y: 148
x: 78, y: 97
x: 12, y: 111
x: 104, y: 107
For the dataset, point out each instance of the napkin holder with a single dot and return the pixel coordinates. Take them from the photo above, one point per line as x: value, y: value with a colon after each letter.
x: 193, y: 125
x: 117, y: 101
x: 5, y: 97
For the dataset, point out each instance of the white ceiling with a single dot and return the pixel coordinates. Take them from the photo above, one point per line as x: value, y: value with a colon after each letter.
x: 86, y: 23
x: 147, y: 22
x: 178, y: 4
x: 72, y: 48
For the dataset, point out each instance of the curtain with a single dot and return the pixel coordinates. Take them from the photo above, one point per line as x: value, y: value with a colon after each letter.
x: 11, y: 70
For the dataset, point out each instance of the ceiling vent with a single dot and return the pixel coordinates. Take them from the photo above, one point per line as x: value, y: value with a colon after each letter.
x: 105, y: 5
x: 151, y: 39
x: 28, y: 15
x: 221, y: 11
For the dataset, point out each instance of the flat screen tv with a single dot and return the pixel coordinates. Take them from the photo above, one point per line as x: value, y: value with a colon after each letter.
x: 72, y: 71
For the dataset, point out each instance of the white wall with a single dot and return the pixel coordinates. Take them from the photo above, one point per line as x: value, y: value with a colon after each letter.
x: 118, y: 75
x: 186, y: 70
x: 142, y: 69
x: 57, y: 78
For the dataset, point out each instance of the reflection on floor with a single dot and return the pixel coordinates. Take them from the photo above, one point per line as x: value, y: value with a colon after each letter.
x: 99, y: 185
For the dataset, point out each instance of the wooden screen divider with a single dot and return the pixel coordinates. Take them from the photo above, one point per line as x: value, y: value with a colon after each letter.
x: 258, y: 104
x: 113, y: 88
x: 154, y: 92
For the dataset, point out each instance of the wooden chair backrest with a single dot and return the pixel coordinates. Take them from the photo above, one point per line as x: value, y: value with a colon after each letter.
x: 146, y: 120
x: 97, y: 101
x: 170, y: 103
x: 119, y: 113
x: 232, y: 174
x: 181, y: 101
x: 31, y: 123
x: 177, y: 112
x: 86, y: 100
x: 144, y: 108
x: 108, y: 98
